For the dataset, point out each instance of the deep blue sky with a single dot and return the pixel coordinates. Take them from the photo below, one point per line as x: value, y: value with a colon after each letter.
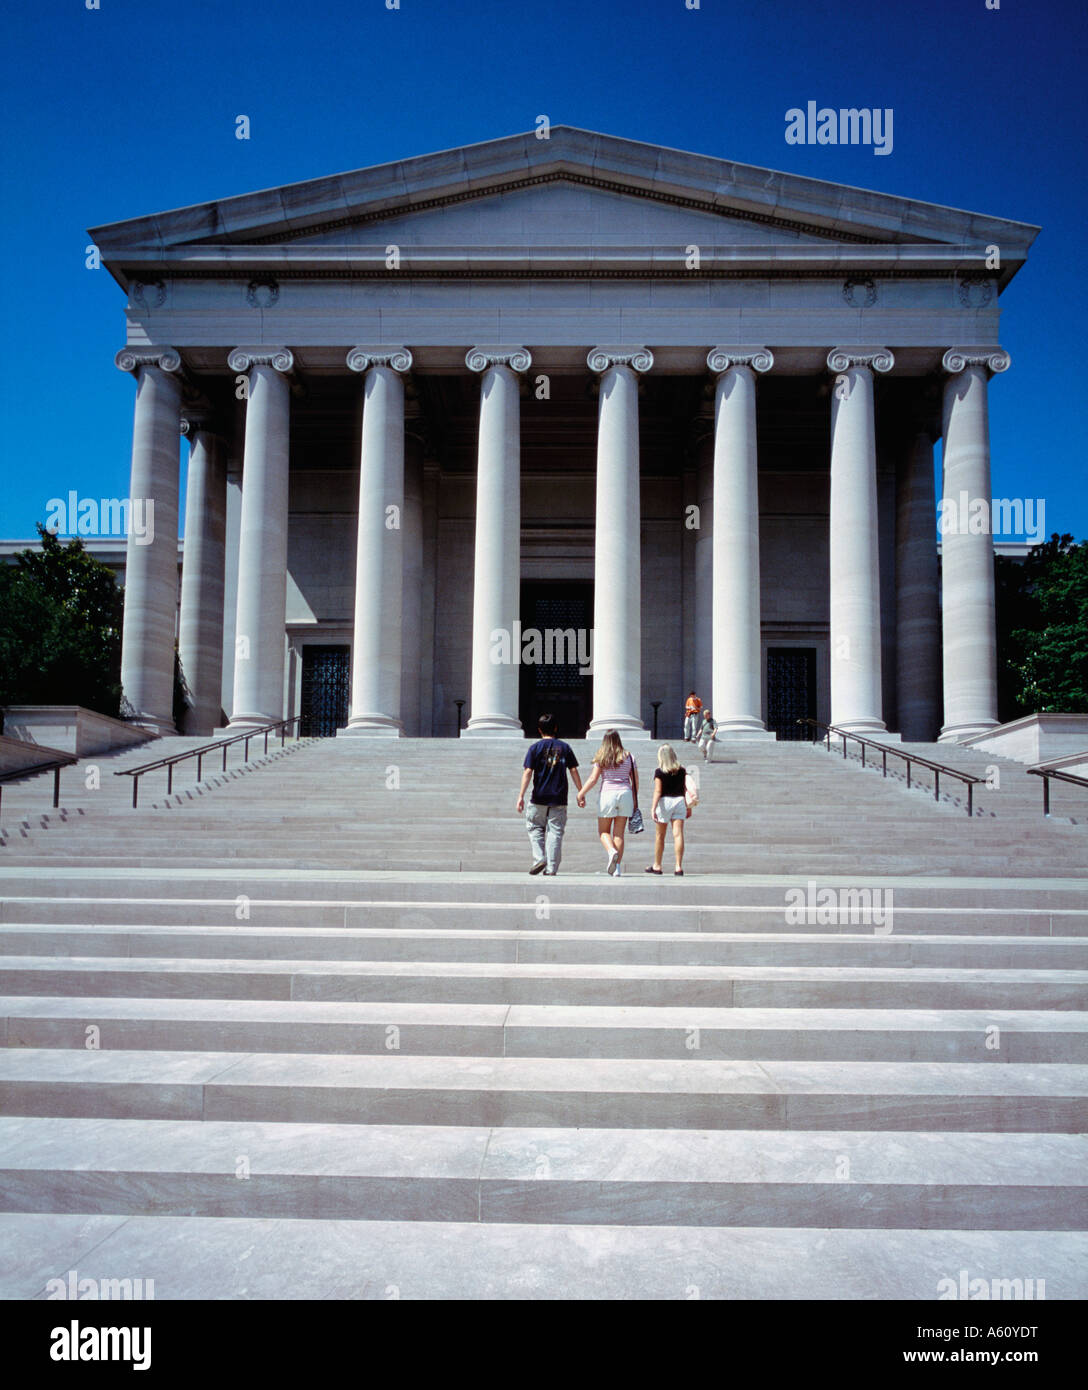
x: 130, y: 109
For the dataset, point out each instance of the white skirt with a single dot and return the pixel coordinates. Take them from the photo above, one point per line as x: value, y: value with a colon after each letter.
x: 616, y: 801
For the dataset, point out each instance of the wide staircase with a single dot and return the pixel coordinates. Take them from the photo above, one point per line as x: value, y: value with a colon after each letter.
x: 308, y: 1029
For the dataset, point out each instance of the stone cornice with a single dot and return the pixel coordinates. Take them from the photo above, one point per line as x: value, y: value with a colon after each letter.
x: 479, y: 359
x: 241, y: 359
x: 878, y: 359
x: 720, y: 359
x: 639, y: 359
x: 361, y: 359
x: 993, y: 359
x: 131, y: 359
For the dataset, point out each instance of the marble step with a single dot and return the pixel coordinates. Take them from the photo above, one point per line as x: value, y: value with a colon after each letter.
x: 300, y: 916
x: 417, y: 940
x: 550, y: 1092
x: 261, y: 1258
x: 501, y: 983
x: 825, y: 1179
x: 992, y: 1036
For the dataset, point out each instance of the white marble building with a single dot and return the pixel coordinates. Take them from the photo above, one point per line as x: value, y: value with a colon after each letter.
x: 568, y: 383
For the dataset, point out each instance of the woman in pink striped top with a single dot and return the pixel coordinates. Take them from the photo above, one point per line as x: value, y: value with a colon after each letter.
x: 615, y: 769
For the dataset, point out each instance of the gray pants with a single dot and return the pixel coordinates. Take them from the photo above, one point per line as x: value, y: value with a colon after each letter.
x: 545, y: 825
x: 691, y: 727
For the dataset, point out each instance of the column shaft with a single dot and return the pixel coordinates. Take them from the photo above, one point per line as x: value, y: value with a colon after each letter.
x: 917, y: 616
x: 967, y: 555
x: 496, y: 593
x: 200, y: 629
x: 376, y: 656
x: 854, y: 547
x: 617, y: 592
x: 262, y: 549
x: 737, y: 697
x: 151, y: 563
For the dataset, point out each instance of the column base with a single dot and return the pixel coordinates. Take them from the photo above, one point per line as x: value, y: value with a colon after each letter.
x: 743, y: 728
x: 372, y: 726
x: 492, y: 726
x: 243, y: 723
x: 956, y: 733
x: 160, y: 727
x: 628, y: 728
x: 867, y: 728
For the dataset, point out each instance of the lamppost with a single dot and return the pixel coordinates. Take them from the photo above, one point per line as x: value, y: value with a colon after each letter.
x: 656, y: 705
x: 460, y: 706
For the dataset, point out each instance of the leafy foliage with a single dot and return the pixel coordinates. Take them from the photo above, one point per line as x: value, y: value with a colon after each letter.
x: 1042, y: 630
x: 60, y: 628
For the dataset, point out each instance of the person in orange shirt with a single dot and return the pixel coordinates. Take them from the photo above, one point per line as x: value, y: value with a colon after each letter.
x: 692, y: 706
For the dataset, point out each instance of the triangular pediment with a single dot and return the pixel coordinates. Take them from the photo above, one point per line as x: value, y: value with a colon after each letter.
x: 575, y: 189
x: 556, y: 211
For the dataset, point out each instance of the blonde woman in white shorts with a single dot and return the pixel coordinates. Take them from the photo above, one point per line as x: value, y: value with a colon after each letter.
x: 669, y: 807
x: 615, y: 769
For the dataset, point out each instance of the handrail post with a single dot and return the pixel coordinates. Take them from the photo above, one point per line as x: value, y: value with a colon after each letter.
x: 225, y: 756
x: 970, y: 798
x: 169, y: 778
x: 885, y: 762
x: 199, y: 765
x: 910, y: 764
x: 56, y: 787
x: 1046, y: 795
x: 245, y: 752
x: 863, y: 747
x: 135, y: 788
x: 936, y: 785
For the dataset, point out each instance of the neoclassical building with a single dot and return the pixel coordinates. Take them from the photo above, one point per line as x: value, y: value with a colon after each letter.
x: 570, y: 421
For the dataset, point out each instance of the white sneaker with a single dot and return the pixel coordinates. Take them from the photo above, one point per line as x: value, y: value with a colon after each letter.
x: 619, y: 871
x: 613, y: 861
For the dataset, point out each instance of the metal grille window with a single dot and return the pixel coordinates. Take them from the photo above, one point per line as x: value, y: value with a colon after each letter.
x: 325, y: 677
x: 791, y: 691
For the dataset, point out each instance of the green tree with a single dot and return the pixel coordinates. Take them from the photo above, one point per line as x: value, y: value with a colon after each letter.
x: 60, y: 628
x: 1042, y: 628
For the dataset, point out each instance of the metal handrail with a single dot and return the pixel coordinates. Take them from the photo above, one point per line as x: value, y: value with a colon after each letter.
x: 909, y: 758
x: 201, y: 753
x: 54, y: 766
x: 1046, y: 773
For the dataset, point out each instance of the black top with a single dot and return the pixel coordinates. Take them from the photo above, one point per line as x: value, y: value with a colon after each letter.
x: 672, y: 783
x: 550, y: 758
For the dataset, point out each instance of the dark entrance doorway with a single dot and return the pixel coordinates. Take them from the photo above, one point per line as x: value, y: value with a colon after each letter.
x: 325, y: 686
x: 561, y: 610
x: 791, y: 691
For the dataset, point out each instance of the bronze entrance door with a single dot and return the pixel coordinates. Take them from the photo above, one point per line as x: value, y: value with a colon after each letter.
x: 791, y: 691
x: 561, y: 612
x: 325, y: 691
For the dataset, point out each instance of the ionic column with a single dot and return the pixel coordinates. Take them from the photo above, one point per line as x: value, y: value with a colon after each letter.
x: 262, y: 547
x: 617, y: 585
x: 854, y: 548
x: 917, y: 612
x: 379, y: 580
x: 412, y: 606
x: 200, y: 627
x: 737, y: 698
x: 967, y: 558
x: 151, y: 557
x: 496, y: 594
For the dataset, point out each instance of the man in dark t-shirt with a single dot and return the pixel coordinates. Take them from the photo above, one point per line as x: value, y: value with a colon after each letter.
x: 547, y: 764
